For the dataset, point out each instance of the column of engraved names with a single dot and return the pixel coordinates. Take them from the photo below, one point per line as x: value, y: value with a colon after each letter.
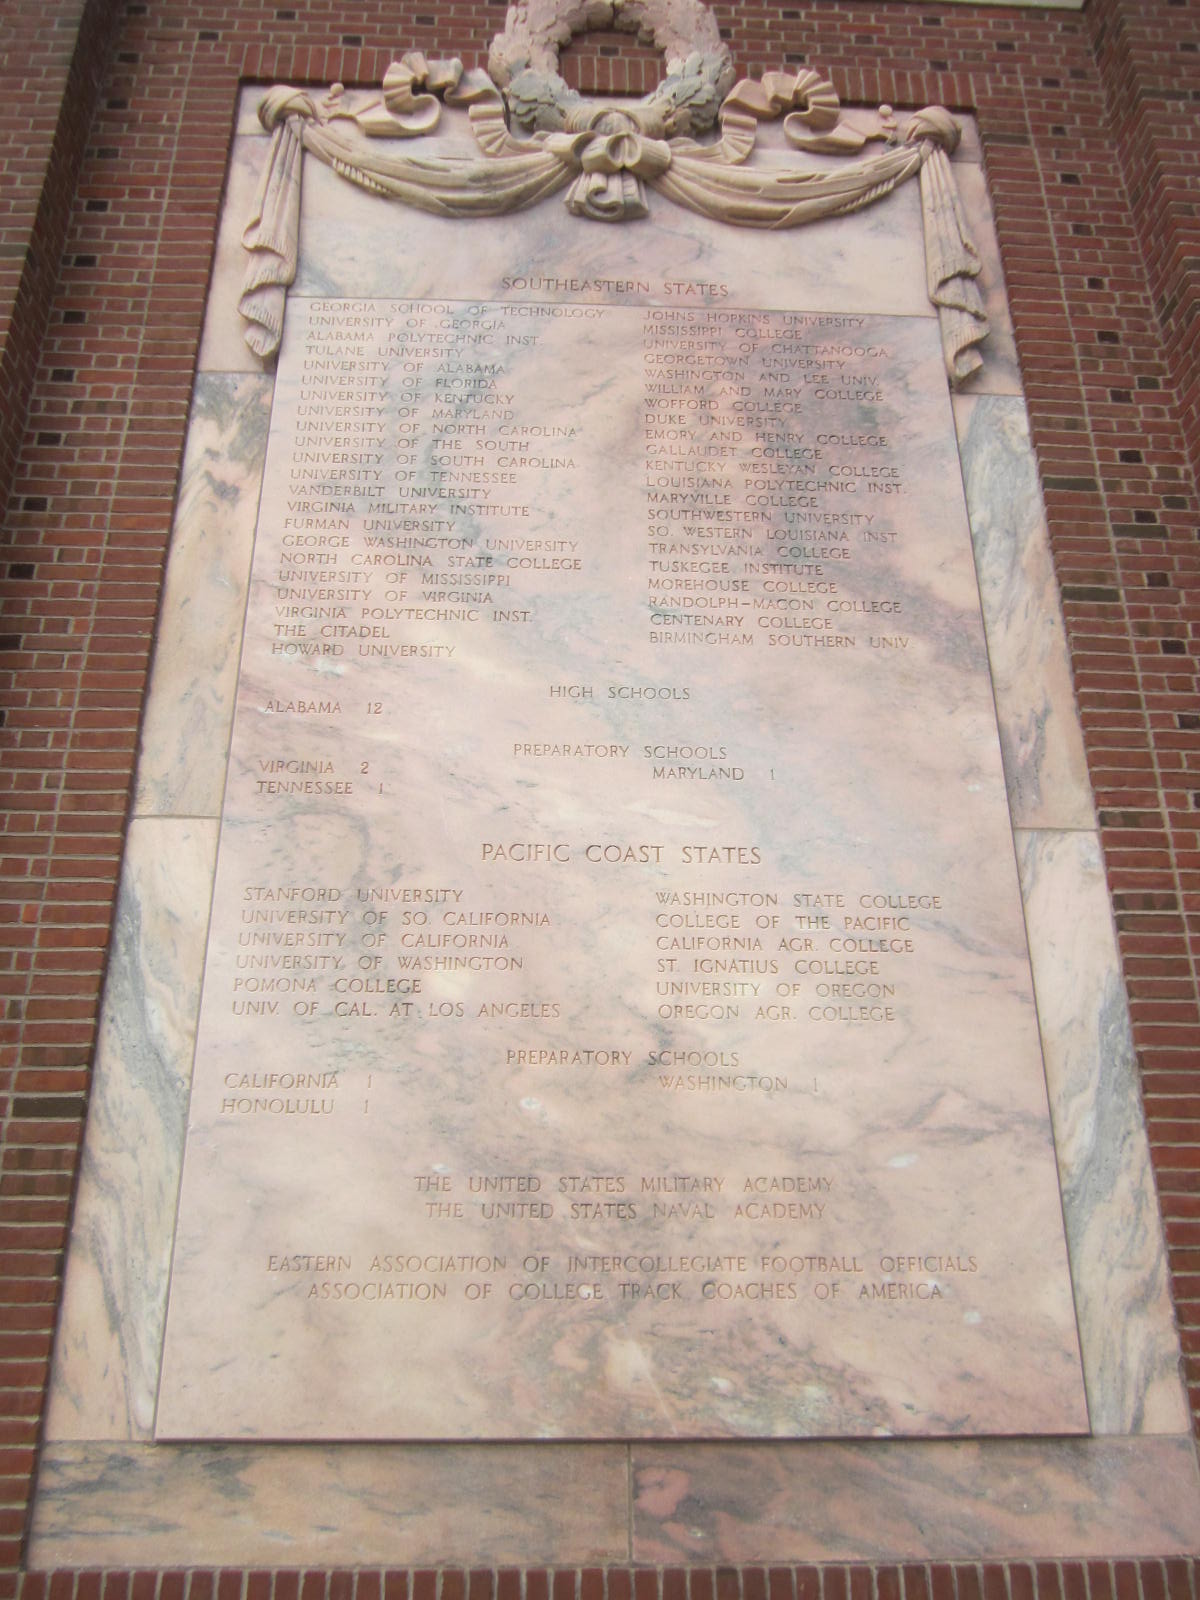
x: 409, y: 458
x: 765, y: 473
x: 485, y: 456
x: 815, y: 958
x: 296, y: 946
x: 403, y: 528
x: 764, y: 485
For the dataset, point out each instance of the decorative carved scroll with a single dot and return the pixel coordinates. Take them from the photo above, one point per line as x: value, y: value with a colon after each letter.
x: 606, y: 155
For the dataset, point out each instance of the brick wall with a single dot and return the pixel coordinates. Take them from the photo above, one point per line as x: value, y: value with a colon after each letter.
x: 118, y: 118
x: 53, y: 60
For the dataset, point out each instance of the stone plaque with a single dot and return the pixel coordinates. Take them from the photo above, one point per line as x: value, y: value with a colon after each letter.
x: 617, y: 1019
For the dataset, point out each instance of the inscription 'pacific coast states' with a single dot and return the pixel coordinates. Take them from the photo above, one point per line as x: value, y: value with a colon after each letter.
x: 617, y: 1020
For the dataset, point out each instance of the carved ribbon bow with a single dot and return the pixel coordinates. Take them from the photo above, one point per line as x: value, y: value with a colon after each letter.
x: 612, y: 156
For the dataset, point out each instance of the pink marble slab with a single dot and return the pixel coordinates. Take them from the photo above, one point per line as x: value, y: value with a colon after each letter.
x: 144, y: 1505
x: 109, y: 1337
x: 134, y: 1504
x: 968, y: 1500
x: 617, y: 1019
x: 1040, y: 735
x: 189, y: 711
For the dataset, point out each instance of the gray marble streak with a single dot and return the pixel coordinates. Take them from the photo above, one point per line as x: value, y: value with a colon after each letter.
x: 1040, y: 738
x: 107, y: 1352
x: 969, y: 1500
x: 300, y: 1505
x: 185, y: 735
x: 1122, y: 1301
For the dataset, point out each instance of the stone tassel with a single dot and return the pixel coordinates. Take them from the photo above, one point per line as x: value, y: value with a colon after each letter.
x: 951, y: 266
x: 271, y: 237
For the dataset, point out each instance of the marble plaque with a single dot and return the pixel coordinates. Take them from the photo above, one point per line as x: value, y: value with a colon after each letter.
x: 617, y: 1018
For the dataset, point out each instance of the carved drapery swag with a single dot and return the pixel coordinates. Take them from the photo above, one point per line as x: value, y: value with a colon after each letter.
x: 606, y: 155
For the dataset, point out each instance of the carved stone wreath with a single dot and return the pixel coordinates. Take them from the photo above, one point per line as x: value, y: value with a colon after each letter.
x: 523, y: 60
x: 607, y: 153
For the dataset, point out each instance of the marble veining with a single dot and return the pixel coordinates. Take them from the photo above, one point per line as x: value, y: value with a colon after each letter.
x: 110, y: 1328
x: 966, y: 1501
x: 1131, y: 1360
x: 1040, y: 737
x: 185, y: 735
x: 356, y: 1505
